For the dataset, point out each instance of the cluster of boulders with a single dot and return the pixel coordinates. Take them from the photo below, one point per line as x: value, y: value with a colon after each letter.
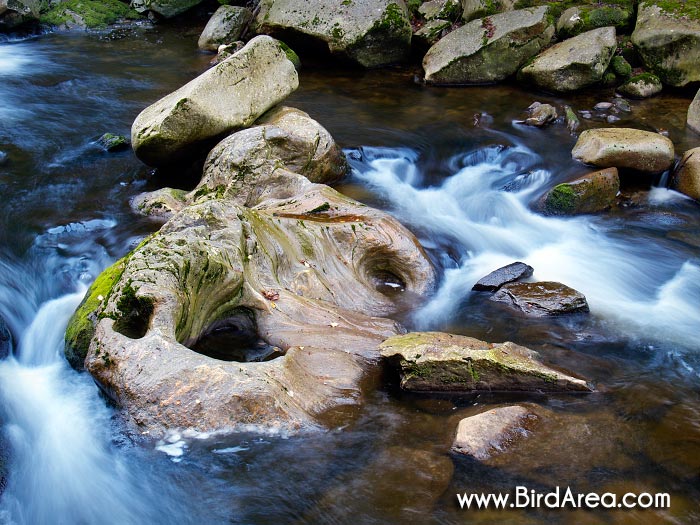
x: 264, y: 300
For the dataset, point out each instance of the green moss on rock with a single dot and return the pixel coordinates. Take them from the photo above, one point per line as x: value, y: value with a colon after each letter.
x: 81, y: 327
x: 92, y: 14
x: 621, y: 67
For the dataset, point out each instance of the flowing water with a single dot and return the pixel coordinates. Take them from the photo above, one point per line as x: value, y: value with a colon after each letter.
x: 454, y: 165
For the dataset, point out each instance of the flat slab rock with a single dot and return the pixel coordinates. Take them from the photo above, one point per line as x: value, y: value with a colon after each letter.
x: 492, y: 432
x: 541, y: 299
x: 441, y: 362
x: 506, y: 274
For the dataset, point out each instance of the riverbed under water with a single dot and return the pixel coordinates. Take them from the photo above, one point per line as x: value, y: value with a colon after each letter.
x: 455, y: 166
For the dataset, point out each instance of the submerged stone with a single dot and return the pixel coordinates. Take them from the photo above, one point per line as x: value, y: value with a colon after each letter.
x: 541, y: 299
x: 492, y: 432
x: 506, y: 274
x: 111, y: 142
x: 441, y: 362
x: 541, y: 115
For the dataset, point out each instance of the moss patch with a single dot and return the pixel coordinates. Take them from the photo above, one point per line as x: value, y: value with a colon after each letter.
x: 561, y: 200
x: 679, y: 8
x: 81, y: 327
x: 93, y: 14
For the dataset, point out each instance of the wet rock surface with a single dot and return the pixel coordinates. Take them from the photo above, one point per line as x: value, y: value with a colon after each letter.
x: 641, y: 86
x: 589, y: 193
x: 506, y: 274
x: 5, y: 340
x: 492, y: 432
x: 441, y: 362
x: 541, y: 115
x: 541, y: 299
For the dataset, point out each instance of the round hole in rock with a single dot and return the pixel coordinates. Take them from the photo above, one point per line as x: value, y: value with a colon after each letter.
x: 387, y: 282
x: 235, y: 338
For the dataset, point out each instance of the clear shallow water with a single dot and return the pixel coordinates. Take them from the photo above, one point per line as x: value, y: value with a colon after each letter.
x: 463, y: 188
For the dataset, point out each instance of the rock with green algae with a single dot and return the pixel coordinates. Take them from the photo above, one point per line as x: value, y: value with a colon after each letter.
x: 621, y: 67
x: 225, y: 26
x: 15, y: 13
x: 572, y: 64
x: 88, y: 14
x: 473, y: 9
x: 441, y: 9
x: 629, y: 148
x: 112, y: 142
x: 489, y: 49
x: 667, y: 37
x: 641, y: 86
x: 590, y: 193
x: 585, y: 17
x: 372, y: 33
x: 229, y: 96
x: 441, y: 362
x: 280, y: 264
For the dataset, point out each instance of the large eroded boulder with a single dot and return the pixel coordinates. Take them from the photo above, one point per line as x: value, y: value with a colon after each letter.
x: 176, y: 334
x: 541, y: 299
x: 686, y: 178
x: 225, y: 26
x: 372, y: 33
x: 441, y: 362
x: 574, y: 63
x: 229, y: 96
x: 625, y: 148
x: 693, y: 118
x: 667, y: 37
x: 489, y: 49
x: 589, y: 193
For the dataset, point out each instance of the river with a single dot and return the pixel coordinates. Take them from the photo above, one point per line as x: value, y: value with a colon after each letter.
x: 457, y: 167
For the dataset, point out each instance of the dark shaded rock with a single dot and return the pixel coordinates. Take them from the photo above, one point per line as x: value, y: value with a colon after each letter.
x: 541, y: 299
x: 591, y: 193
x: 492, y: 432
x: 441, y: 362
x: 506, y: 274
x: 431, y: 32
x: 111, y: 142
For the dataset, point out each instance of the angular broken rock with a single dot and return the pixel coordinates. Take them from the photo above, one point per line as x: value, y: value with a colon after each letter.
x: 441, y: 362
x: 491, y: 432
x: 541, y: 114
x: 506, y: 274
x: 541, y: 299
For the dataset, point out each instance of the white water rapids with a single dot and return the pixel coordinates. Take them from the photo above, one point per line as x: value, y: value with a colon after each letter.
x: 482, y: 210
